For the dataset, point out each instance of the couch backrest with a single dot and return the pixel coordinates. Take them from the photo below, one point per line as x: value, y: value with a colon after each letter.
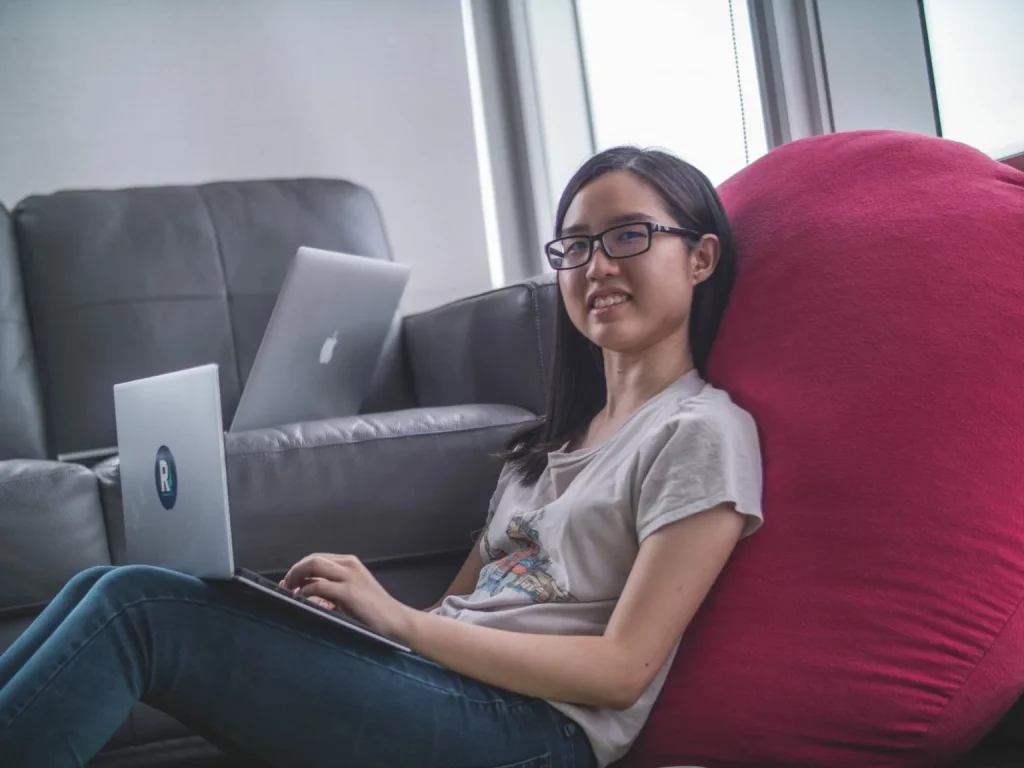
x: 21, y: 412
x: 123, y: 284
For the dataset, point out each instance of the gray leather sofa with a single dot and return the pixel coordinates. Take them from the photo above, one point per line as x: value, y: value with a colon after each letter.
x: 98, y: 287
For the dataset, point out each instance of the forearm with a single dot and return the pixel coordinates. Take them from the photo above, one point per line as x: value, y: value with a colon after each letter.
x: 578, y: 669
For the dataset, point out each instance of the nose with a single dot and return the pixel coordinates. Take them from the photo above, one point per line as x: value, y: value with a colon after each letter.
x: 601, y: 264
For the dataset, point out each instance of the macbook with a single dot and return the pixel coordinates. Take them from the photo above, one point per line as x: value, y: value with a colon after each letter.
x: 322, y: 344
x: 324, y: 339
x: 174, y: 486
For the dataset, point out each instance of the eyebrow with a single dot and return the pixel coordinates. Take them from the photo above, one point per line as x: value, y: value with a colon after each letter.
x: 614, y: 221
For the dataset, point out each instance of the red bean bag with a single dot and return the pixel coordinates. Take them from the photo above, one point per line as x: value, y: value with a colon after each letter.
x: 876, y: 334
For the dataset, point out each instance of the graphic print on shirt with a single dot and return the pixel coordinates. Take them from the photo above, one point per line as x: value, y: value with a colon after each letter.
x: 527, y: 569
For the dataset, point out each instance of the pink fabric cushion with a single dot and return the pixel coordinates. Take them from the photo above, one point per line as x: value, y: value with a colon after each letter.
x: 876, y: 334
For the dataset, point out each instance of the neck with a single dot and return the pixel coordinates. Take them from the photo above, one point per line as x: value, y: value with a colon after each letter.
x: 634, y: 378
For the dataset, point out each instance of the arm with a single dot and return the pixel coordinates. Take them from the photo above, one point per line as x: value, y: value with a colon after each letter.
x: 673, y: 572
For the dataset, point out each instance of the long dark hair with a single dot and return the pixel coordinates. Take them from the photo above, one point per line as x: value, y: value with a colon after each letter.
x: 577, y: 390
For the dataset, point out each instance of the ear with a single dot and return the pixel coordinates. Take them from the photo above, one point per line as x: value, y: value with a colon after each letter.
x: 704, y: 258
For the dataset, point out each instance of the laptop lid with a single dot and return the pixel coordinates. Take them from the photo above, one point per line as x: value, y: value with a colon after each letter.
x: 173, y: 478
x: 324, y: 339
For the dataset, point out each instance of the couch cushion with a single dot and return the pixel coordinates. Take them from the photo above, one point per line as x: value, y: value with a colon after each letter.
x: 875, y: 335
x: 51, y: 527
x: 130, y: 283
x: 22, y: 435
x: 390, y: 487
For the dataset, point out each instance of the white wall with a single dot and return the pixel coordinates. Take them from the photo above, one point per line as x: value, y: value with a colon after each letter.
x: 113, y: 93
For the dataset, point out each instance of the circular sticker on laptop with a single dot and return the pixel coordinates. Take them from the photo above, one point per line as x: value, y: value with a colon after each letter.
x: 166, y: 477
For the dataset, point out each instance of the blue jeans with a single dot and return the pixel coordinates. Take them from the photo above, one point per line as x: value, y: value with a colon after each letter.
x: 236, y: 666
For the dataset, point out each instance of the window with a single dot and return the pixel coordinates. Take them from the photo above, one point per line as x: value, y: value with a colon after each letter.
x: 675, y: 74
x: 977, y: 62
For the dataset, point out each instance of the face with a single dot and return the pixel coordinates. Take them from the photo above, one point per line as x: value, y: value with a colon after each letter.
x: 631, y: 305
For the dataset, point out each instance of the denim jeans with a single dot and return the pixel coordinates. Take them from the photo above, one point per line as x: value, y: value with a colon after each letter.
x: 284, y: 688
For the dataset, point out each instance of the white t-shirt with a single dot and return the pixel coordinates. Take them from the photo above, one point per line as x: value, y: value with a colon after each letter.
x: 557, y: 554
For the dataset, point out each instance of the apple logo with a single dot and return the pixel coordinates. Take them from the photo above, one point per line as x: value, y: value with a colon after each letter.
x: 327, y: 350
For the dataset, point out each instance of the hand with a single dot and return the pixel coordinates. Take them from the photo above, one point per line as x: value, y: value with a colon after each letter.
x: 344, y: 581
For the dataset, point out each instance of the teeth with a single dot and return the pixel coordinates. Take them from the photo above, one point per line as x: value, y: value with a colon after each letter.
x: 608, y: 301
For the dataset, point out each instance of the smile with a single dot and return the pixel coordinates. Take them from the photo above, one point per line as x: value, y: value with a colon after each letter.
x: 605, y: 303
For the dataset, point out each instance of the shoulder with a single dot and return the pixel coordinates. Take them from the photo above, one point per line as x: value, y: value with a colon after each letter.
x: 704, y: 452
x: 708, y: 418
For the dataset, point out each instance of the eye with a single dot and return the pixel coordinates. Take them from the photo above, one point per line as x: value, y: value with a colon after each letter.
x: 632, y: 235
x: 576, y: 245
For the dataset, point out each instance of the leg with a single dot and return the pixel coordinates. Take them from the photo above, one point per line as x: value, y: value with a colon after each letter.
x: 289, y: 689
x: 48, y: 621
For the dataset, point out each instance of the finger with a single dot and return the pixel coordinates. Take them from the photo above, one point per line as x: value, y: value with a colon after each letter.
x: 307, y: 569
x: 321, y: 601
x: 295, y: 589
x: 342, y: 560
x: 312, y: 567
x: 328, y: 591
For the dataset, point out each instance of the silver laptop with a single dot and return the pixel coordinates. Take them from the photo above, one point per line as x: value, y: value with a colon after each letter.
x: 322, y: 345
x: 324, y: 340
x: 174, y: 485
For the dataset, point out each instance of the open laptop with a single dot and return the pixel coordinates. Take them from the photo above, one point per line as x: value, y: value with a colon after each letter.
x: 322, y: 345
x: 324, y: 340
x: 174, y: 485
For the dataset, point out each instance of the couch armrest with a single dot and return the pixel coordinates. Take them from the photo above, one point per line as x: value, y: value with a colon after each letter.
x: 21, y: 428
x: 387, y: 487
x: 51, y: 527
x: 492, y: 348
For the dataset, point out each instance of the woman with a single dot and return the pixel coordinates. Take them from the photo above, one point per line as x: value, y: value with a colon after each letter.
x: 609, y: 525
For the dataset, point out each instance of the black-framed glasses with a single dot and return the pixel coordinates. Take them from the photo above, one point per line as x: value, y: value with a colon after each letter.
x: 619, y: 242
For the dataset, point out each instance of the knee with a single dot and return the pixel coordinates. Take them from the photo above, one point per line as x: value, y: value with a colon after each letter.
x: 83, y: 581
x: 127, y: 581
